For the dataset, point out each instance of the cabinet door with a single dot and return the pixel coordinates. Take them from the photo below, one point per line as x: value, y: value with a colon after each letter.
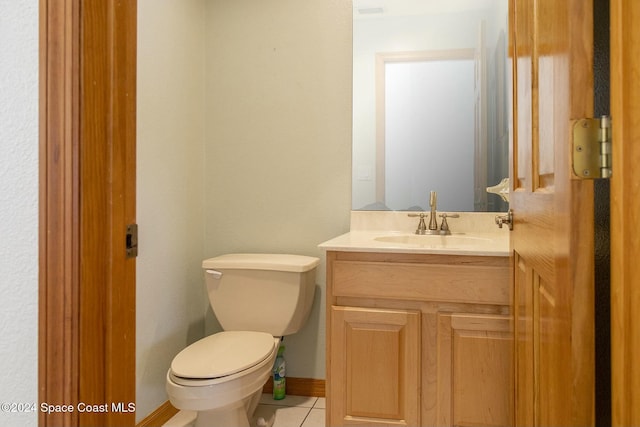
x: 475, y: 370
x: 374, y: 369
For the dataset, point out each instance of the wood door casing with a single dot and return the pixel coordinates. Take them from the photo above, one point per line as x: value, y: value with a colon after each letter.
x: 87, y: 197
x: 625, y: 211
x: 552, y: 238
x: 107, y: 177
x: 59, y: 215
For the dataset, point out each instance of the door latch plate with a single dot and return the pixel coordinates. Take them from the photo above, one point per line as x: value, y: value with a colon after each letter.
x: 132, y: 240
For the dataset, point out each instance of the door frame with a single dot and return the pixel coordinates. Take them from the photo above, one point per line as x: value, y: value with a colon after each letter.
x: 625, y: 210
x: 86, y: 339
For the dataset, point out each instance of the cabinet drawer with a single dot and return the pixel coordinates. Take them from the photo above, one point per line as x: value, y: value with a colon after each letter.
x: 476, y: 284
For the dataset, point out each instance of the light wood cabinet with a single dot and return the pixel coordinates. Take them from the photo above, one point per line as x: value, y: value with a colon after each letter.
x: 474, y: 370
x: 375, y: 349
x: 416, y: 339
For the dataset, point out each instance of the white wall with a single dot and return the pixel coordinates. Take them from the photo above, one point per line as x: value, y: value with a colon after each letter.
x: 244, y: 144
x: 170, y: 305
x: 278, y: 147
x: 19, y: 207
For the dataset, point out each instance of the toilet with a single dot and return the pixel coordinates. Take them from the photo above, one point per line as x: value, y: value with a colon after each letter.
x: 257, y: 298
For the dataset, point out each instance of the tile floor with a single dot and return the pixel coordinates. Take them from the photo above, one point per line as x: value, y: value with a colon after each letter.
x: 292, y: 411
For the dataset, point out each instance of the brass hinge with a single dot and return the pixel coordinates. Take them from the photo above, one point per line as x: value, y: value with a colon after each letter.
x: 592, y: 148
x: 132, y: 240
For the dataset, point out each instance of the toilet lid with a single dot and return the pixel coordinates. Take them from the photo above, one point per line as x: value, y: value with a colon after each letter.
x: 223, y: 354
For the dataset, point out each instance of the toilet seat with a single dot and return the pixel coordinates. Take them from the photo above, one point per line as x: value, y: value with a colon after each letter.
x: 222, y: 355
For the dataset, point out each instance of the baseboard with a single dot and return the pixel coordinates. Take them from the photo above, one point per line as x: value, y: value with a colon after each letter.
x: 299, y: 387
x: 295, y: 386
x: 158, y: 417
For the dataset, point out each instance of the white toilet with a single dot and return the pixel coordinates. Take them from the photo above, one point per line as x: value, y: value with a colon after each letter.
x: 257, y: 298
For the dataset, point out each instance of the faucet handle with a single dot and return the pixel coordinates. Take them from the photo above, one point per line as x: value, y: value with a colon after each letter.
x: 444, y: 227
x: 421, y: 226
x: 449, y: 215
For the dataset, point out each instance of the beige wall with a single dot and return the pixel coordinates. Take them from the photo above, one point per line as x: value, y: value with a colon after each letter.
x: 170, y: 123
x: 278, y: 149
x: 244, y: 144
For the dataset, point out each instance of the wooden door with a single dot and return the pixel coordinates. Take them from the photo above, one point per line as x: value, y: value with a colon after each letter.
x: 87, y: 197
x: 552, y: 239
x: 375, y: 367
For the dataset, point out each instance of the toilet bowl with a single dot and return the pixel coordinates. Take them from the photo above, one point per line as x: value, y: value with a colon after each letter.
x: 221, y: 376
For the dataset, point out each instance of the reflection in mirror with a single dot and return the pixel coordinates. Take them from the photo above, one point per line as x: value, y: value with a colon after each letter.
x: 430, y: 104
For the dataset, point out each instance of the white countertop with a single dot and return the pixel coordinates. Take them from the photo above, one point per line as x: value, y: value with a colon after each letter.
x: 474, y: 234
x: 483, y: 244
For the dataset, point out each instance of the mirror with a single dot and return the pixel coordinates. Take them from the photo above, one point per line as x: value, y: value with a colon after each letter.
x: 430, y: 104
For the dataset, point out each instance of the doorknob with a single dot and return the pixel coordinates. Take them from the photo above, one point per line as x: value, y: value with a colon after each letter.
x: 505, y: 219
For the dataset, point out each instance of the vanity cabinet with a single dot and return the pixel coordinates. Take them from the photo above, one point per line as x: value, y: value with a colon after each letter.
x: 418, y: 339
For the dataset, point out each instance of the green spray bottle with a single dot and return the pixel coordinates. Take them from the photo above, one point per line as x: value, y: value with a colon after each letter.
x: 279, y: 380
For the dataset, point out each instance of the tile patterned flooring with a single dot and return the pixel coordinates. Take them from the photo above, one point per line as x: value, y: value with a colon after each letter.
x: 292, y: 411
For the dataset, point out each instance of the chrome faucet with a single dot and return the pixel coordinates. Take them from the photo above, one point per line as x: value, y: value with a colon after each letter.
x: 433, y: 221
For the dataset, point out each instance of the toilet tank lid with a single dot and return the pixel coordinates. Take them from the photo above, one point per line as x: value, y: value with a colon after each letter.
x: 276, y: 262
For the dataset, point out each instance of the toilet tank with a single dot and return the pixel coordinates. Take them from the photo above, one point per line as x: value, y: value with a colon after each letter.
x: 270, y: 293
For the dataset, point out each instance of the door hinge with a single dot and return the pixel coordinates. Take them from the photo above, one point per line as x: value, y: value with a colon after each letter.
x: 132, y: 240
x: 591, y: 155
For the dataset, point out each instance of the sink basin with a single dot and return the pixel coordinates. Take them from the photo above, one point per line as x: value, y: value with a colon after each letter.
x: 455, y: 241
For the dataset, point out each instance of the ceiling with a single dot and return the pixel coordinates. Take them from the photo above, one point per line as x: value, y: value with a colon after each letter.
x: 367, y: 9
